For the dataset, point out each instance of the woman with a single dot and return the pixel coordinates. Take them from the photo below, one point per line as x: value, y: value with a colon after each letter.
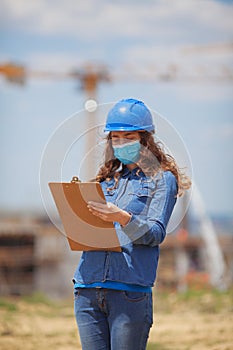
x: 113, y: 290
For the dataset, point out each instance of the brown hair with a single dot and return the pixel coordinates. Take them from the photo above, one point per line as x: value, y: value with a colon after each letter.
x: 152, y: 160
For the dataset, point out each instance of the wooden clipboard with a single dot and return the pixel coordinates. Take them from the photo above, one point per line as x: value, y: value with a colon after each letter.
x: 84, y: 231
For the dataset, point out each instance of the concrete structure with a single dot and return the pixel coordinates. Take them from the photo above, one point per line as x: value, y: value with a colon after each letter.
x: 35, y: 256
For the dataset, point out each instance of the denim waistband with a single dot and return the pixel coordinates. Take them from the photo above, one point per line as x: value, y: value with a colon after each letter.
x: 115, y: 285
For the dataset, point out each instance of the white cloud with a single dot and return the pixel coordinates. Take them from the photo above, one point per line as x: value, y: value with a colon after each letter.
x: 53, y: 61
x: 173, y: 20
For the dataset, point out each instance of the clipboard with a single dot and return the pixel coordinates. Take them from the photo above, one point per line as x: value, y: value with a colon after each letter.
x: 84, y: 231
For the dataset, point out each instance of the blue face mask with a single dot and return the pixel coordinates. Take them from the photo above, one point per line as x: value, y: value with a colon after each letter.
x: 128, y: 153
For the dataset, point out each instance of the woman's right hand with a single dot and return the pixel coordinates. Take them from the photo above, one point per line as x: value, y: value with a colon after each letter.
x: 109, y: 212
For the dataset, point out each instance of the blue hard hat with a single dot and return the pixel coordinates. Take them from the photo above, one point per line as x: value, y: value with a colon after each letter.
x: 129, y: 115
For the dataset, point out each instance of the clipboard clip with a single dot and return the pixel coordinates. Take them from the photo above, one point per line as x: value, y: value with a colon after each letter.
x: 75, y: 179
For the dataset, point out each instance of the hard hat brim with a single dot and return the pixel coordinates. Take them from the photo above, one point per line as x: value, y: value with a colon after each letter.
x: 127, y: 127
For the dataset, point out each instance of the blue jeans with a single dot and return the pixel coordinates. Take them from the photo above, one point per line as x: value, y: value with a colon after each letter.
x: 110, y: 319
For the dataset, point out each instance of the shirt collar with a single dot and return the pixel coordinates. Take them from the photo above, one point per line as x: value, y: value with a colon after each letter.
x: 126, y: 172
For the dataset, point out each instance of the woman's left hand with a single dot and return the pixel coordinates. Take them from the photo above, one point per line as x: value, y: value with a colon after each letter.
x: 109, y: 212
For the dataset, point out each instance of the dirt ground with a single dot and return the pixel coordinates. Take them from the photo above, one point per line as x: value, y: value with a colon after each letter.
x: 195, y: 320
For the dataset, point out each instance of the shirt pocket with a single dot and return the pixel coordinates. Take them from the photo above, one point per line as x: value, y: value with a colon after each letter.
x: 109, y: 191
x: 146, y: 188
x: 139, y: 199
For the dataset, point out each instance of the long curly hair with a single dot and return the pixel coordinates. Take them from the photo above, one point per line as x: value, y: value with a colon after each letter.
x: 152, y: 160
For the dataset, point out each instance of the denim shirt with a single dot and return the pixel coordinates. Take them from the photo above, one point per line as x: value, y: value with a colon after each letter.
x: 150, y: 201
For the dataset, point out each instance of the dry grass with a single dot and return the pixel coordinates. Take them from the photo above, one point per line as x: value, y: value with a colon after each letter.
x: 201, y: 320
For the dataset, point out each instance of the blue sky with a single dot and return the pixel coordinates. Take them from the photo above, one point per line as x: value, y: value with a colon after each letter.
x: 135, y: 40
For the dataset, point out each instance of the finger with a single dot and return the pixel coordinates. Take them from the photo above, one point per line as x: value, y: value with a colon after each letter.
x: 99, y: 210
x: 92, y: 210
x: 96, y: 213
x: 100, y: 215
x: 97, y: 205
x: 103, y: 209
x: 108, y: 208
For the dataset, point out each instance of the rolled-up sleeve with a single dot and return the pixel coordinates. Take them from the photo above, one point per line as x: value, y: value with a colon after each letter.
x: 150, y: 229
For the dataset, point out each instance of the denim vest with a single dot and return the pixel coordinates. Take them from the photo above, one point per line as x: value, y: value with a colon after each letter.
x: 150, y: 200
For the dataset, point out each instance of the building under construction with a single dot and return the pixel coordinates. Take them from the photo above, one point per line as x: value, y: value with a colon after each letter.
x: 35, y: 256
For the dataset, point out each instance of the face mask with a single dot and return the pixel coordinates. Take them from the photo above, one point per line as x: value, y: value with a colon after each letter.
x: 128, y: 153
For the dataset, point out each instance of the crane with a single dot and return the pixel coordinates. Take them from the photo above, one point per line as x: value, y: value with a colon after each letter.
x: 190, y: 65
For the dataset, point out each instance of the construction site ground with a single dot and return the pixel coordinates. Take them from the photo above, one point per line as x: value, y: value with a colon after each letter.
x: 194, y: 320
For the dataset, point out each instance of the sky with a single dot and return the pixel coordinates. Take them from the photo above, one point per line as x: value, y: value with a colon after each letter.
x: 138, y: 42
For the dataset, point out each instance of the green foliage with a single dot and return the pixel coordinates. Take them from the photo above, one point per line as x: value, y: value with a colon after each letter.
x: 210, y: 301
x: 8, y: 305
x: 38, y: 298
